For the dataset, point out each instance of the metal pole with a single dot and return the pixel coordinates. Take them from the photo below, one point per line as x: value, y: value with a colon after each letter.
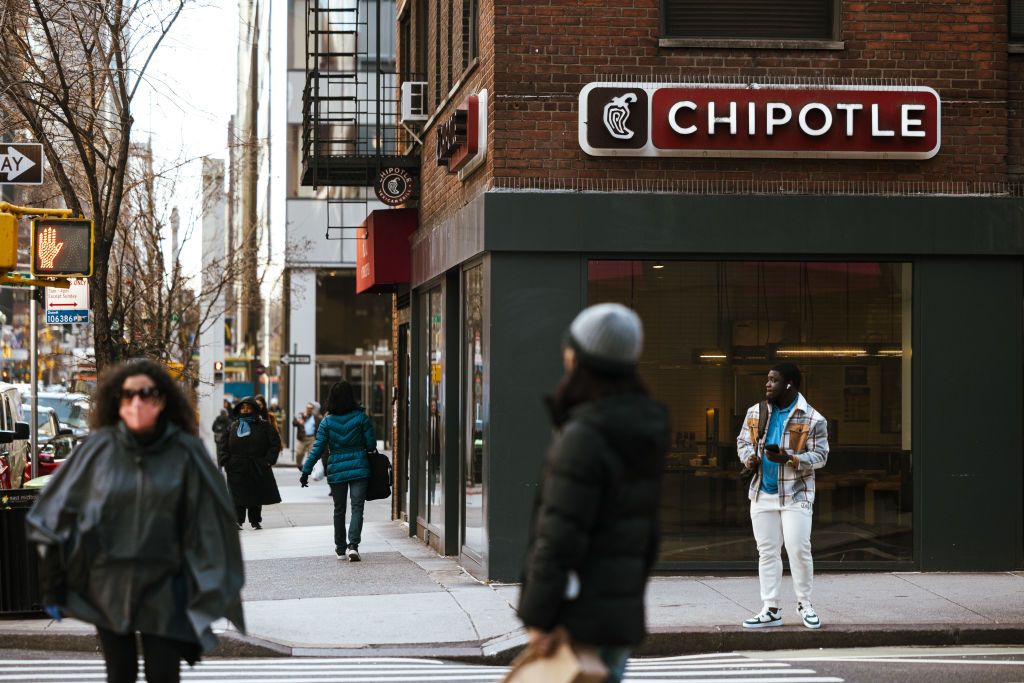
x: 33, y: 353
x: 291, y: 396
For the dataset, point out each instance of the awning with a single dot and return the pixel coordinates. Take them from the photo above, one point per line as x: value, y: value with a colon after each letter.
x: 383, y: 256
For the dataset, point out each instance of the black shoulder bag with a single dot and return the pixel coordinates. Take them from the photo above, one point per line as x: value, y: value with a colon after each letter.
x: 379, y: 484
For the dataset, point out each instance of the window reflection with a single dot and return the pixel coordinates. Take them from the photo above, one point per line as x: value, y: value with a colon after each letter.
x: 434, y: 493
x: 473, y: 446
x: 712, y: 332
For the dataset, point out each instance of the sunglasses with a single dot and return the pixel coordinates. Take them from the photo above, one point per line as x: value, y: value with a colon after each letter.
x: 146, y: 394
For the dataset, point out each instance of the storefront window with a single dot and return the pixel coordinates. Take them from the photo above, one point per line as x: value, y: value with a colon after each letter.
x: 435, y: 409
x: 712, y: 332
x: 473, y: 446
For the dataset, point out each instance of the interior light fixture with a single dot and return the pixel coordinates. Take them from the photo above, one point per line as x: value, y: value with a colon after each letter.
x: 713, y: 356
x: 890, y: 352
x: 820, y: 351
x: 658, y: 265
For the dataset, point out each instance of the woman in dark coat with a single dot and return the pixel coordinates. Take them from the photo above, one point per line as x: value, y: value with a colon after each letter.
x: 594, y: 536
x: 250, y: 450
x: 343, y: 438
x: 136, y: 530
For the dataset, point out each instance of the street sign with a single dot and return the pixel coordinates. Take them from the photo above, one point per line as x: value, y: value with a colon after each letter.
x: 68, y: 306
x: 21, y: 163
x: 62, y: 247
x: 295, y: 359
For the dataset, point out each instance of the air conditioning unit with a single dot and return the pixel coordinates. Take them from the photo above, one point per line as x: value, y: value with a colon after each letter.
x: 414, y: 101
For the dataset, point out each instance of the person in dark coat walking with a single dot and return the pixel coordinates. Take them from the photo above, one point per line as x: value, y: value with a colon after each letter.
x: 220, y: 427
x: 249, y: 455
x: 136, y: 531
x: 344, y: 437
x: 594, y: 536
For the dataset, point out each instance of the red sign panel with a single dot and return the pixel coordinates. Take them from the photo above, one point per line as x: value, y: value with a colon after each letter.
x: 760, y: 121
x: 458, y: 138
x: 383, y: 256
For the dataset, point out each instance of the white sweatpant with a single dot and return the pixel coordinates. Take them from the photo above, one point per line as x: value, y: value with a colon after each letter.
x: 774, y: 524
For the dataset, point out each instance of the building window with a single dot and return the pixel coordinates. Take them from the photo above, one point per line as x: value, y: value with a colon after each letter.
x: 419, y: 68
x: 437, y: 55
x: 475, y: 402
x: 1017, y: 21
x: 405, y: 48
x: 470, y: 29
x: 749, y: 19
x: 432, y: 499
x: 450, y: 56
x: 712, y: 332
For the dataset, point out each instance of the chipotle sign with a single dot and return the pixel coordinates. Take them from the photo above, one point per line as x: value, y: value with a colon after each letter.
x: 843, y: 122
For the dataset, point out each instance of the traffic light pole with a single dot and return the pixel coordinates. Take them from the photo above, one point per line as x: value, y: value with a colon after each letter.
x: 33, y: 353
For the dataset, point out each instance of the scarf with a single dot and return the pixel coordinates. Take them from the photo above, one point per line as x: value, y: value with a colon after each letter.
x: 243, y: 426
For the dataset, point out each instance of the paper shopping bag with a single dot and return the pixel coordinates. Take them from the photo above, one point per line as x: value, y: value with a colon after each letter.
x: 568, y: 664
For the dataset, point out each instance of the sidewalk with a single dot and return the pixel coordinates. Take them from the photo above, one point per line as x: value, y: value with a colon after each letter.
x: 404, y: 600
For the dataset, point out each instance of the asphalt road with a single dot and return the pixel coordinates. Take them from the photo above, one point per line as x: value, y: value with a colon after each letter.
x: 930, y: 665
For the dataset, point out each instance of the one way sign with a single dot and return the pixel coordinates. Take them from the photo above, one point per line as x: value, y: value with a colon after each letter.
x: 21, y: 163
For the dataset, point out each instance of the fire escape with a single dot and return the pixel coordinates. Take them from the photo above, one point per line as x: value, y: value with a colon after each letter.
x: 350, y: 103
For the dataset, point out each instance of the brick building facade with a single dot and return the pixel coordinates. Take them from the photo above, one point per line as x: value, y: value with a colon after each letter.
x: 866, y: 271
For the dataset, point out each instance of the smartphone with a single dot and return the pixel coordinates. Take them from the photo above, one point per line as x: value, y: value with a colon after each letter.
x: 771, y: 448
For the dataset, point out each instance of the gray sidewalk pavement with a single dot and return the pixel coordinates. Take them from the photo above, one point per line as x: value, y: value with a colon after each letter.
x: 404, y: 599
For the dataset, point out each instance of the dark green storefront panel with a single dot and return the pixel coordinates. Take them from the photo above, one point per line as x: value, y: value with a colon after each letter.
x: 967, y: 395
x: 532, y: 301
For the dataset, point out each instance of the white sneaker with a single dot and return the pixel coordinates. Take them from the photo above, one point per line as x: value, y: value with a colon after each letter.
x: 764, y: 618
x: 809, y: 616
x: 353, y: 554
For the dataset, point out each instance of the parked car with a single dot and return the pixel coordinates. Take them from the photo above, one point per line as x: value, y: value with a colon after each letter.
x: 72, y: 410
x: 54, y: 443
x: 14, y: 435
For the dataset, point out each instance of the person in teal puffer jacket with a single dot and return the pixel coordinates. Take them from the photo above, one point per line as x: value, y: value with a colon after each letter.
x: 347, y: 434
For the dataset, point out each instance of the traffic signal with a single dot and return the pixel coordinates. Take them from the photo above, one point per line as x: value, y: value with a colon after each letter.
x: 8, y: 242
x: 5, y: 375
x: 62, y: 247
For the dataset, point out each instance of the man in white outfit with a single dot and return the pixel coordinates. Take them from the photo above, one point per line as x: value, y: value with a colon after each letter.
x: 785, y: 439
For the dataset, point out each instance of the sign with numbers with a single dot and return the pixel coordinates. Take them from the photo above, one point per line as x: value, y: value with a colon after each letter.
x: 68, y: 306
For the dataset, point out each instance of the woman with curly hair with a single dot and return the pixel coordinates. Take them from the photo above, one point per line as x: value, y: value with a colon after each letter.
x: 136, y: 530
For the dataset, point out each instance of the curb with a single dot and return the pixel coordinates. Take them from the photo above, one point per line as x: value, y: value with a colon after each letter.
x: 659, y: 643
x: 663, y: 643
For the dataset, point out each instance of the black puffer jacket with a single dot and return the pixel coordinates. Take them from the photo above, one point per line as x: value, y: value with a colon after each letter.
x: 597, y: 516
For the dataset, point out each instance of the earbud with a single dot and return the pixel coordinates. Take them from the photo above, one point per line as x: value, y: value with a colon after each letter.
x: 789, y: 386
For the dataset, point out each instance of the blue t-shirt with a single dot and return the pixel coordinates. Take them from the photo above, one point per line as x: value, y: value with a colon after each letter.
x: 769, y: 469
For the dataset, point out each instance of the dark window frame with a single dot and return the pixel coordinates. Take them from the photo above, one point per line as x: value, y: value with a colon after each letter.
x: 470, y: 32
x: 827, y: 40
x: 1015, y: 15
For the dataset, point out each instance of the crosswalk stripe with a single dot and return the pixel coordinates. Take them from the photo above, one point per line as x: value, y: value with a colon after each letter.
x: 717, y: 668
x: 790, y: 679
x: 688, y: 667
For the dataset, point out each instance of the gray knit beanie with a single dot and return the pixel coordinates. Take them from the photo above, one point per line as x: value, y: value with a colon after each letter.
x: 607, y: 338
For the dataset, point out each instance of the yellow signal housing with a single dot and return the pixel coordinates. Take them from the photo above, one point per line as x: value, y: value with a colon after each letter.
x: 8, y: 242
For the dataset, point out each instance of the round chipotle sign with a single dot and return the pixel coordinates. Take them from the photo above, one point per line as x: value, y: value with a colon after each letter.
x: 394, y: 186
x: 708, y: 120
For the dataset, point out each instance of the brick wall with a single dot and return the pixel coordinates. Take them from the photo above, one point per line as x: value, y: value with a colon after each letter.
x: 535, y: 58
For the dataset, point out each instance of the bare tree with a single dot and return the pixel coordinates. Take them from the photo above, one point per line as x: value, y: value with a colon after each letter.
x: 70, y: 71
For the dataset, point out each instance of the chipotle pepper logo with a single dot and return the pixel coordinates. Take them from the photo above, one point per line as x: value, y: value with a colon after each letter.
x: 616, y: 113
x: 617, y: 117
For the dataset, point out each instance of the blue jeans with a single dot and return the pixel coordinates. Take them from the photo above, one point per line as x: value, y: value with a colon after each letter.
x: 357, y: 489
x: 615, y: 659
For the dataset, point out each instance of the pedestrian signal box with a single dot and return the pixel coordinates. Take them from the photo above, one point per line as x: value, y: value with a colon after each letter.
x: 8, y: 242
x: 62, y: 247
